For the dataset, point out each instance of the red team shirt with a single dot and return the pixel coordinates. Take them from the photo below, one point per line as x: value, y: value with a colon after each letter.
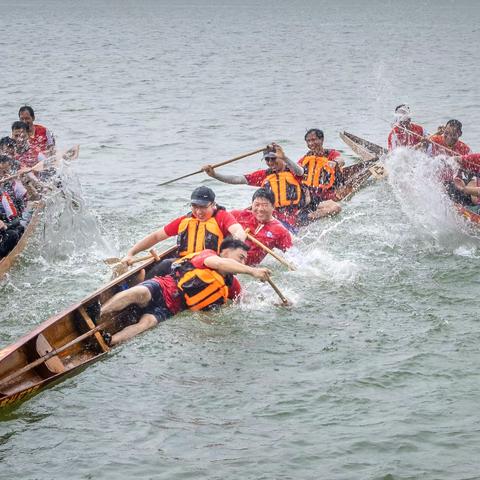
x: 223, y: 218
x: 173, y: 297
x: 42, y: 138
x: 439, y: 141
x: 405, y: 137
x: 272, y: 234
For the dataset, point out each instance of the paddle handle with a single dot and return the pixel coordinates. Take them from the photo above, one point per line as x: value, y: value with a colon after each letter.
x: 271, y: 252
x: 278, y: 292
x: 226, y: 162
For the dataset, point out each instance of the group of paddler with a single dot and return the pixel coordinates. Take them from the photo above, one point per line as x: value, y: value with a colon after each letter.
x: 24, y: 165
x: 214, y: 244
x: 462, y: 184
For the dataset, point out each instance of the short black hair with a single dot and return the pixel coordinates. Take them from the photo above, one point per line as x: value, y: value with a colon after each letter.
x: 27, y: 108
x: 316, y: 131
x: 455, y: 124
x: 234, y: 243
x: 400, y: 106
x: 264, y: 193
x: 5, y: 159
x: 18, y: 125
x: 9, y: 142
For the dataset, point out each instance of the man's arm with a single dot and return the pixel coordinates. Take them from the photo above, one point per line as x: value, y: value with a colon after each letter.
x: 144, y: 244
x: 228, y: 265
x: 237, y: 231
x: 294, y: 167
x: 232, y: 179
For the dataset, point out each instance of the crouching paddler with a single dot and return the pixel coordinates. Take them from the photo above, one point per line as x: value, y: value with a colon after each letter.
x: 198, y: 282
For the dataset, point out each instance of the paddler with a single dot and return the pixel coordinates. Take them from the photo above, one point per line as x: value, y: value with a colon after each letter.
x: 204, y: 227
x: 282, y: 177
x: 467, y: 182
x: 405, y: 133
x: 200, y: 281
x: 12, y: 203
x: 27, y: 155
x: 321, y: 175
x: 7, y: 146
x: 39, y: 137
x: 258, y: 218
x: 447, y: 143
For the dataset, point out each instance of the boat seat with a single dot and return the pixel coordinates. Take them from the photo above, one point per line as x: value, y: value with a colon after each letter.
x: 54, y: 364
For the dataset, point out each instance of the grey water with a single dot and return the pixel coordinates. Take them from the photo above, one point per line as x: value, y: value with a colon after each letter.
x: 373, y: 374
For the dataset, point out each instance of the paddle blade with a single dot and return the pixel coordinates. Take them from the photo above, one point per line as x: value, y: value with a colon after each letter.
x: 112, y: 260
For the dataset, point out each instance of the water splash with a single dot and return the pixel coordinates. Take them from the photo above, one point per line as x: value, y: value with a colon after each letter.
x: 69, y: 228
x: 414, y: 181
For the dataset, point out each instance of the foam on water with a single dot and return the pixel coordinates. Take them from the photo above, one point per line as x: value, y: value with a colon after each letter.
x: 414, y: 181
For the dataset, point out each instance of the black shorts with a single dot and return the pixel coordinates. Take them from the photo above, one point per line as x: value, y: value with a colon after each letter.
x: 156, y: 306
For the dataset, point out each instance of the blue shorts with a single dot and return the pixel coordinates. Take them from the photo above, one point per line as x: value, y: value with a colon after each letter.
x: 156, y: 306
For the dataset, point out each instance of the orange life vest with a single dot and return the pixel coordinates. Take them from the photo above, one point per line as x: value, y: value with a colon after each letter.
x: 202, y: 288
x: 318, y: 173
x: 285, y: 188
x: 195, y: 236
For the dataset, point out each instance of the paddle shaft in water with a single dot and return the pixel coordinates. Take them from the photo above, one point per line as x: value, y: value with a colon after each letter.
x: 226, y: 162
x: 282, y: 297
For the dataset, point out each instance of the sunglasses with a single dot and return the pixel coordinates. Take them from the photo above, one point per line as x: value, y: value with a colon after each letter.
x: 270, y: 159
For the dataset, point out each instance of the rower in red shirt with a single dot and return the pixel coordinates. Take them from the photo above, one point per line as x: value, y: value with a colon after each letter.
x: 467, y: 182
x: 283, y: 178
x: 204, y: 227
x: 39, y: 137
x: 266, y: 229
x: 321, y: 175
x: 187, y: 286
x: 27, y: 155
x: 448, y: 143
x: 405, y: 133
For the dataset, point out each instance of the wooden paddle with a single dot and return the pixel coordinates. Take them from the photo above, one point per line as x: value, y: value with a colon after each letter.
x: 119, y: 268
x: 271, y: 252
x: 285, y: 301
x: 226, y: 162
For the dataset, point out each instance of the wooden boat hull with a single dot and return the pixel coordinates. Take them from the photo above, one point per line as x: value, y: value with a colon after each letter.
x: 7, y: 262
x: 363, y: 148
x: 358, y: 175
x: 18, y: 381
x: 468, y: 214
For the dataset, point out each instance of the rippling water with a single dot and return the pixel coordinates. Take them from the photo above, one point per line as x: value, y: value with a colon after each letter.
x: 374, y: 372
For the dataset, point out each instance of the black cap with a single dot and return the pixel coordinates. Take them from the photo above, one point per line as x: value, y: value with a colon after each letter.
x: 202, y: 196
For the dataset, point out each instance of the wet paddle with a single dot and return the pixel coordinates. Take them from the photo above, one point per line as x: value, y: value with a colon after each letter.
x: 285, y: 301
x: 119, y: 268
x: 271, y: 252
x: 226, y: 162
